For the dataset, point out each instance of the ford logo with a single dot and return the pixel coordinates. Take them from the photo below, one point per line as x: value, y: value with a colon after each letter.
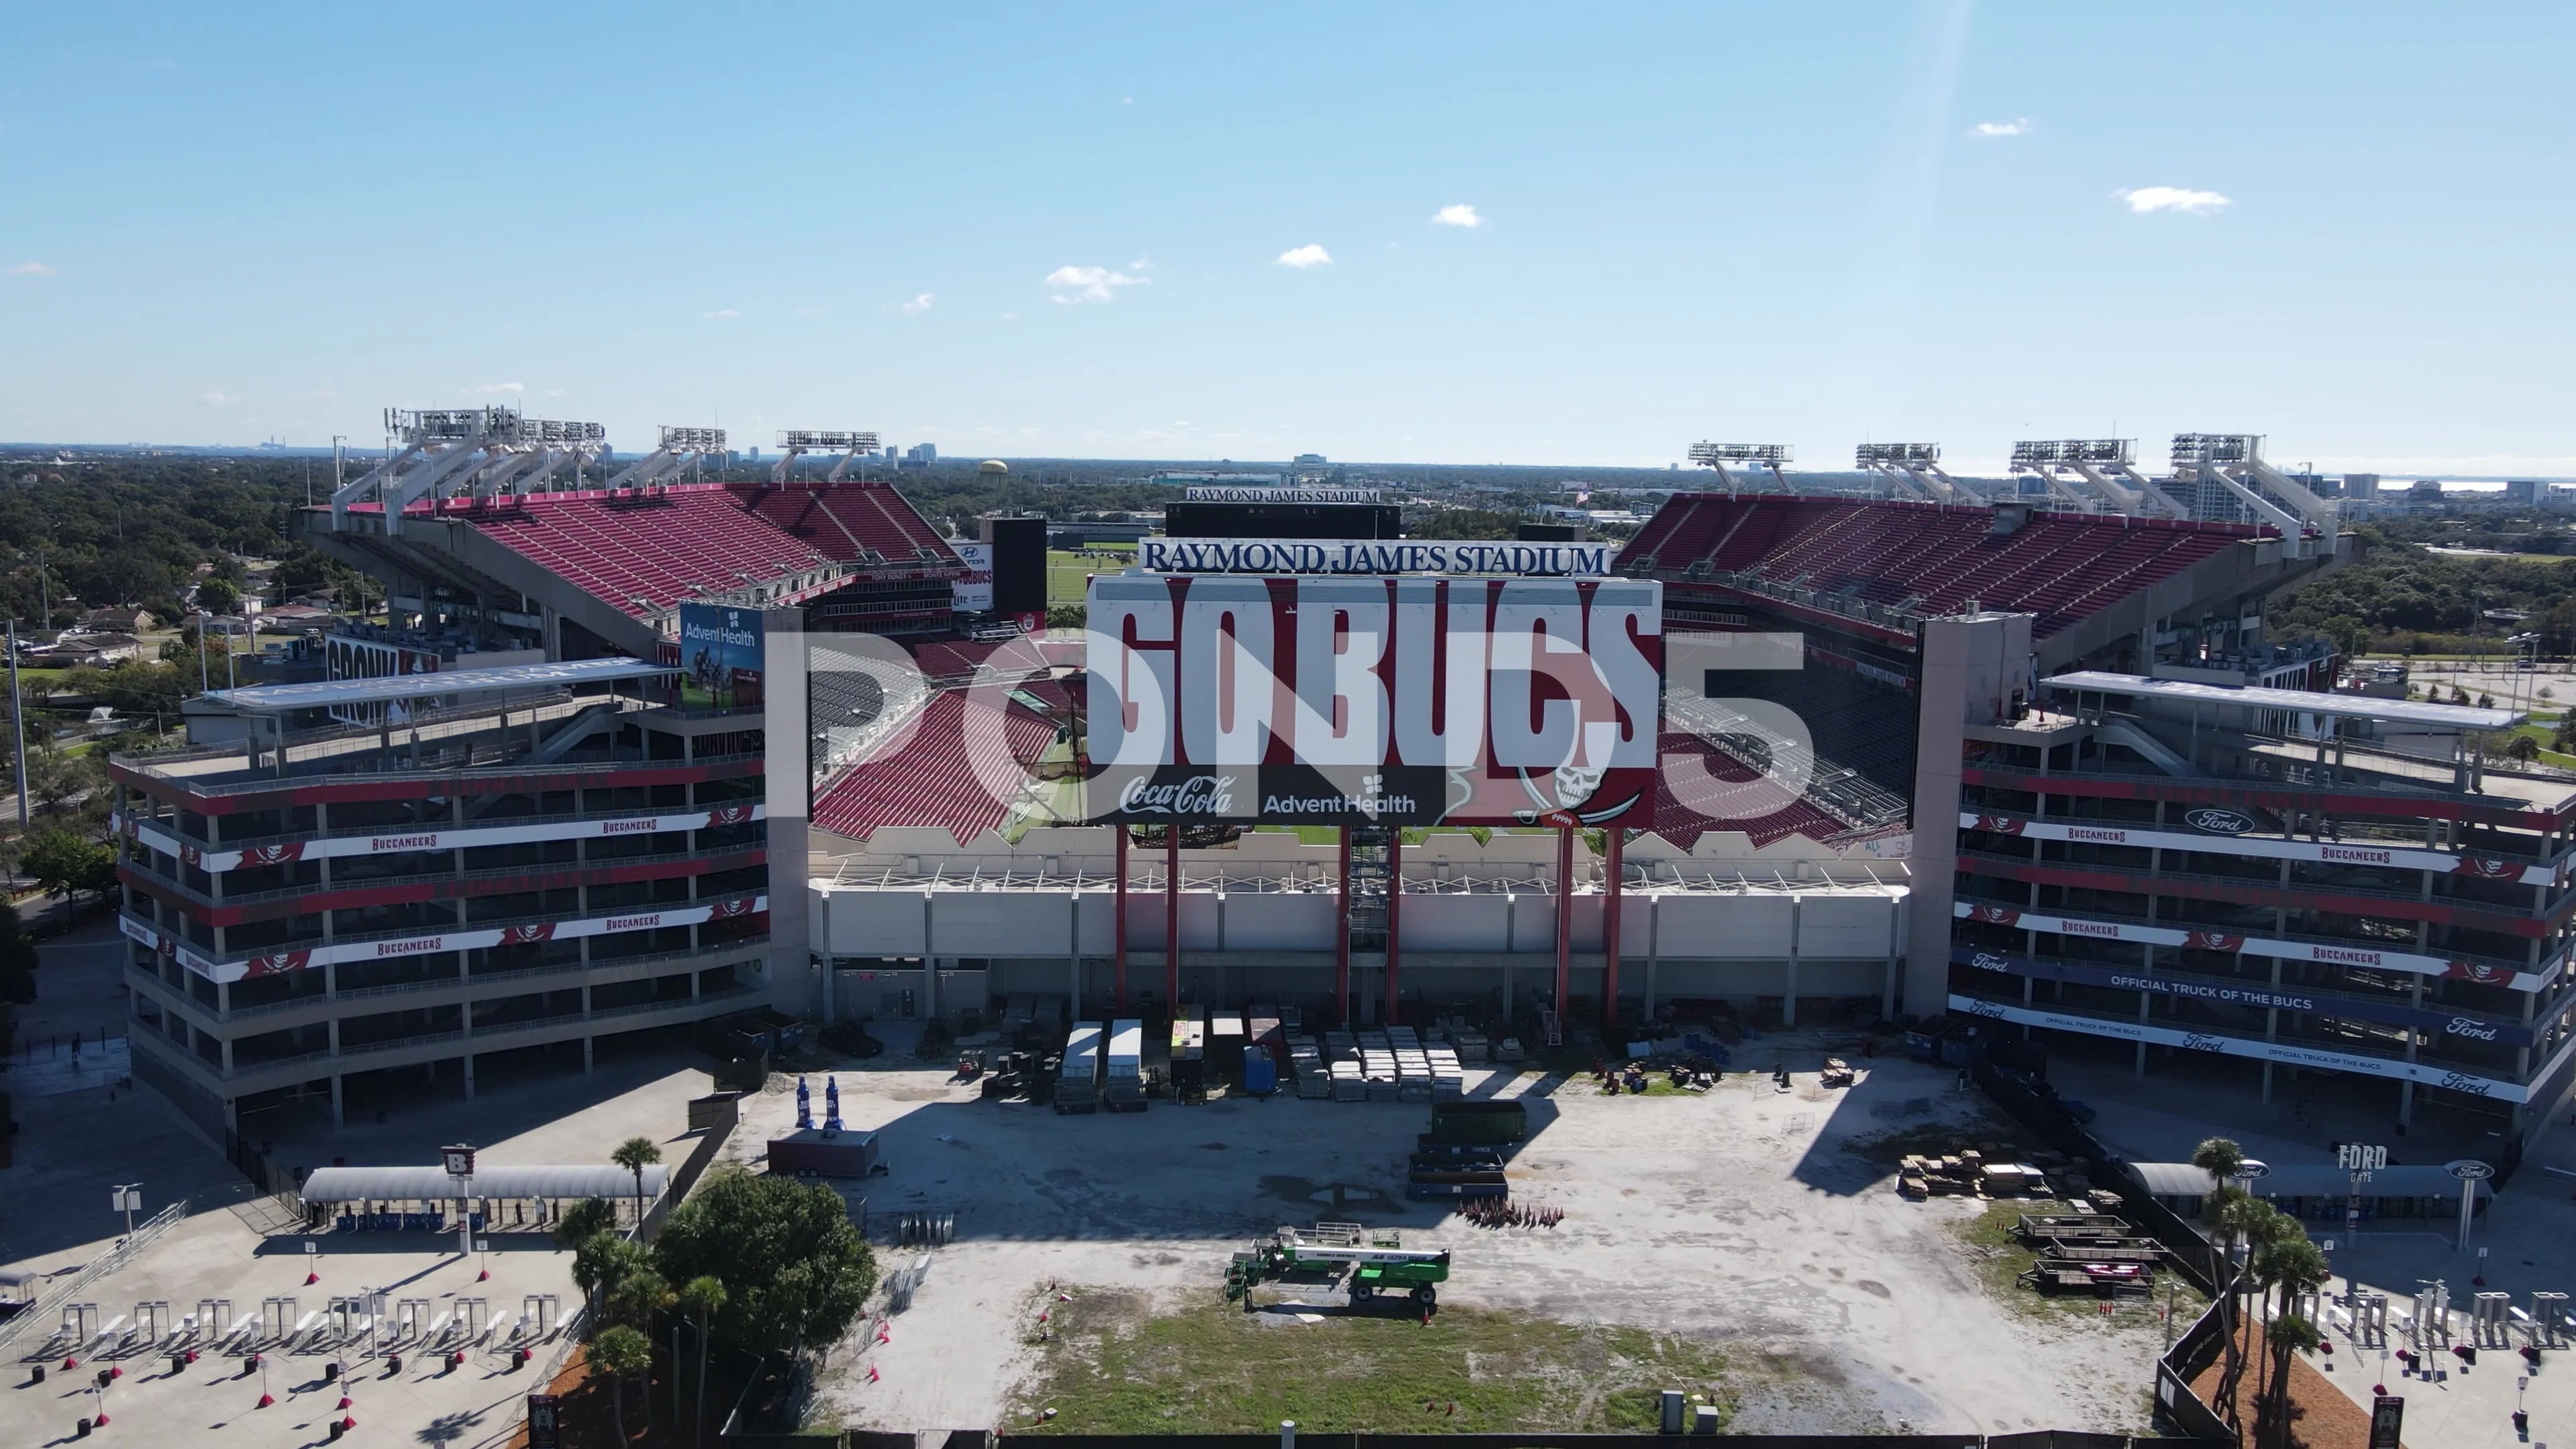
x: 2464, y: 1026
x: 2219, y: 822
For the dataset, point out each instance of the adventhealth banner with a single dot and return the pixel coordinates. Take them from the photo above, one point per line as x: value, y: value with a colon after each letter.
x: 216, y: 862
x: 720, y: 656
x: 2257, y: 946
x: 285, y: 961
x: 2264, y: 1051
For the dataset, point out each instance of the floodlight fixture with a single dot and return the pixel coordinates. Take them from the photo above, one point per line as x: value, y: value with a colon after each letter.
x: 693, y: 440
x: 1766, y: 454
x: 807, y: 440
x: 424, y: 427
x: 558, y: 433
x: 1872, y: 455
x: 2040, y: 456
x: 2194, y: 451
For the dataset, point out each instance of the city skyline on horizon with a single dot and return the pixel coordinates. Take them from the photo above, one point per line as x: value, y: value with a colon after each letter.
x: 1416, y: 237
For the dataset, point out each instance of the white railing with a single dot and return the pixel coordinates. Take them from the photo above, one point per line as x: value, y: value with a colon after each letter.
x: 50, y: 1306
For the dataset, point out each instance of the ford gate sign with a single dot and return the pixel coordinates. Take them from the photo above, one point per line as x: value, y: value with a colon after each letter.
x: 1385, y: 700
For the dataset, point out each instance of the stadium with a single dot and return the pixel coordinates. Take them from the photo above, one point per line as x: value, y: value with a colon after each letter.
x: 2016, y: 767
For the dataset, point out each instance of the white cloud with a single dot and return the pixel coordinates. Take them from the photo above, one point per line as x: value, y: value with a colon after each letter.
x: 1091, y: 284
x: 722, y: 314
x: 2144, y: 199
x: 2017, y: 126
x: 1460, y: 214
x: 219, y: 398
x: 33, y: 269
x: 919, y: 304
x: 1309, y: 255
x: 1126, y: 100
x: 1010, y: 316
x: 490, y: 389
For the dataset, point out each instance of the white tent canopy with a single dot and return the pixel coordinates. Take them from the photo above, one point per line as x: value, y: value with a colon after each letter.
x: 491, y: 1180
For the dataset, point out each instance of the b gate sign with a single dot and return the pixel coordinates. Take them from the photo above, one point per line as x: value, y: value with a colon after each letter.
x: 1373, y: 700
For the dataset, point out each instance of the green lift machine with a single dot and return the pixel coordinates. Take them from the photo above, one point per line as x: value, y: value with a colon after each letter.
x: 1374, y: 1262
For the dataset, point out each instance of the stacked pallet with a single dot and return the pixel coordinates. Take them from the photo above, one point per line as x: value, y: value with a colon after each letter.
x: 1448, y: 1083
x: 1348, y: 1085
x: 1967, y: 1172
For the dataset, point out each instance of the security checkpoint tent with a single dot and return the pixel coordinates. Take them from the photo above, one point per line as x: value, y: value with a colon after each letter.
x: 2320, y: 1191
x: 492, y: 1182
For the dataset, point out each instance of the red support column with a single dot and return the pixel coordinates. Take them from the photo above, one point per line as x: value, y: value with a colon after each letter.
x: 1394, y: 911
x: 1172, y: 917
x: 1564, y: 917
x: 1342, y: 939
x: 1118, y: 922
x: 1610, y: 930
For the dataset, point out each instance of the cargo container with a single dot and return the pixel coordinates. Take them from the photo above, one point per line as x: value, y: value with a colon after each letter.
x: 1077, y: 1083
x: 1124, y: 1082
x: 1260, y: 1071
x: 823, y: 1152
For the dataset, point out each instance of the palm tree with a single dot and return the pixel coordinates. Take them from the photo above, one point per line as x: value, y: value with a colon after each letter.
x: 2288, y: 1334
x: 621, y: 1353
x: 601, y: 1264
x: 702, y: 1298
x: 584, y: 1221
x: 2289, y: 1264
x: 633, y: 1302
x: 635, y: 1154
x: 2242, y: 1218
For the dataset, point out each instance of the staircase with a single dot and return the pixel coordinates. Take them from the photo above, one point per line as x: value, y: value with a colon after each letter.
x: 1368, y: 889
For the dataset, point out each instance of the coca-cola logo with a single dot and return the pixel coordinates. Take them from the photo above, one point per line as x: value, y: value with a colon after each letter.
x: 1197, y: 795
x: 2474, y: 1030
x: 2219, y: 822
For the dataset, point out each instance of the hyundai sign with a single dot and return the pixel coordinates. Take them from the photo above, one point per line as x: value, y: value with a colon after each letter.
x: 1374, y: 700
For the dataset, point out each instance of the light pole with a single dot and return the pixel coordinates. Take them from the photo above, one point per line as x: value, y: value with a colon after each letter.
x: 18, y: 726
x: 201, y: 651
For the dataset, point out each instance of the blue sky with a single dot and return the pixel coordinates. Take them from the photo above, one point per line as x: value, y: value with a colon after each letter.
x: 1058, y: 230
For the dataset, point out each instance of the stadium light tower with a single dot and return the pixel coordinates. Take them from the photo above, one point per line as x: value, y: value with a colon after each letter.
x: 1914, y: 470
x: 795, y: 441
x: 1760, y: 455
x: 2107, y: 469
x: 486, y: 449
x: 680, y: 447
x: 2224, y: 470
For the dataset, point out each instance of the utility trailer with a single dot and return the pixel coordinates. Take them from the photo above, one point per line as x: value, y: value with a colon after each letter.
x: 1125, y: 1080
x: 1369, y: 1262
x: 1077, y: 1083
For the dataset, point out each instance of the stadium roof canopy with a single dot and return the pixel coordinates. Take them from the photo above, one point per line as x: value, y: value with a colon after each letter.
x: 508, y: 678
x: 2307, y: 1179
x: 2345, y: 706
x: 432, y: 1184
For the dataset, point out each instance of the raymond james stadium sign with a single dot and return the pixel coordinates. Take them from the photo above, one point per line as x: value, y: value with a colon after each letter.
x: 1238, y: 493
x: 1372, y: 558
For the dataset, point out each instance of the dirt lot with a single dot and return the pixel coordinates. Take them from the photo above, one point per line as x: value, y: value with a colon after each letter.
x: 1741, y: 1226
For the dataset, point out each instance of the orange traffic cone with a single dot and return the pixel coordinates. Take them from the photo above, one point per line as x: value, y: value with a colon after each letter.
x: 267, y: 1399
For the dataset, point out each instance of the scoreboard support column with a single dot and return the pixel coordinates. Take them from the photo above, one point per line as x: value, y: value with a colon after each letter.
x: 1118, y: 926
x: 1172, y: 917
x: 1342, y: 938
x: 1610, y: 928
x: 1394, y: 914
x: 1564, y: 916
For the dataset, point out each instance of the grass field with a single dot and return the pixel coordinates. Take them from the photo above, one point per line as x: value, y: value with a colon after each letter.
x: 1122, y: 1362
x: 1067, y: 569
